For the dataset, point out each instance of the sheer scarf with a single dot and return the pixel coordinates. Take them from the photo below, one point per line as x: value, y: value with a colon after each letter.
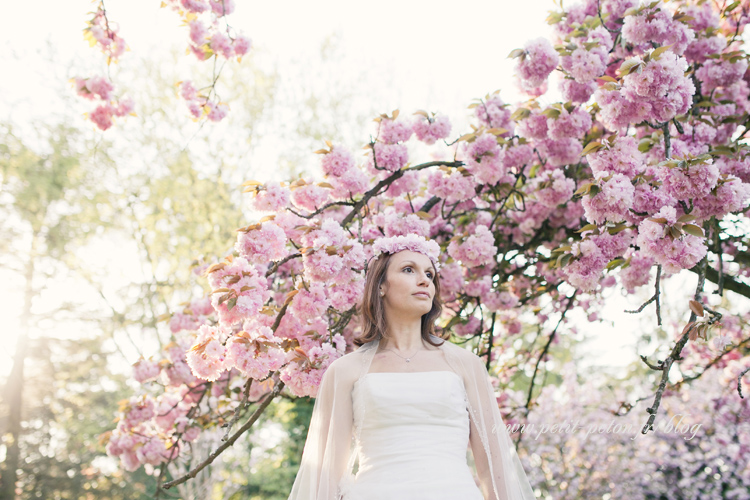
x: 330, y: 451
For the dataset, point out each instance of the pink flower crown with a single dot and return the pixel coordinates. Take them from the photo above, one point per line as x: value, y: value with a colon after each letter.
x: 410, y: 242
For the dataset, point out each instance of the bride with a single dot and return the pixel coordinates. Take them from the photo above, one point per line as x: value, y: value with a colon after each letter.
x: 407, y: 405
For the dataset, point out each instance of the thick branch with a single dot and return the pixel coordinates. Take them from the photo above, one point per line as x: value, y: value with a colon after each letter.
x: 276, y: 390
x: 729, y: 282
x: 388, y: 181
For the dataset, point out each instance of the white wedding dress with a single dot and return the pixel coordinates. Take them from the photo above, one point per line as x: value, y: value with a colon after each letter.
x: 413, y: 440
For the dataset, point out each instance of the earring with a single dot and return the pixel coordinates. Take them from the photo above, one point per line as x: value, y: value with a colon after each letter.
x: 382, y: 293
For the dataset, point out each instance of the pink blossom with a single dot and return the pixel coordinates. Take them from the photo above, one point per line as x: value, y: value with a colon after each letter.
x: 100, y: 86
x: 390, y: 157
x: 585, y: 270
x: 478, y: 287
x: 309, y: 197
x: 560, y: 152
x: 196, y: 6
x: 351, y: 183
x: 153, y: 451
x: 198, y: 32
x: 451, y: 278
x: 273, y: 197
x: 145, y: 369
x: 262, y: 244
x: 337, y: 162
x: 622, y: 158
x: 310, y: 302
x: 613, y: 245
x: 539, y: 60
x: 577, y: 93
x: 657, y: 26
x: 662, y: 84
x: 500, y: 301
x: 396, y: 224
x: 180, y: 321
x: 168, y: 409
x: 518, y: 156
x: 202, y: 306
x: 255, y: 353
x: 552, y: 188
x: 476, y: 250
x: 221, y: 44
x: 304, y: 377
x: 137, y: 410
x: 585, y: 65
x: 534, y: 126
x: 207, y: 356
x: 222, y: 7
x: 125, y: 106
x: 738, y: 167
x: 612, y: 202
x: 453, y: 187
x: 635, y: 272
x: 102, y: 116
x: 468, y: 328
x: 702, y: 48
x: 674, y: 254
x: 574, y: 124
x: 720, y: 73
x: 394, y: 131
x: 484, y: 159
x: 690, y: 182
x: 407, y: 183
x: 494, y: 113
x: 246, y: 296
x: 431, y: 130
x: 241, y: 45
x: 346, y: 296
x: 217, y: 111
x: 730, y: 195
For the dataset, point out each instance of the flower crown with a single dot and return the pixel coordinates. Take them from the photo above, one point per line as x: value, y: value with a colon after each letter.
x: 410, y: 242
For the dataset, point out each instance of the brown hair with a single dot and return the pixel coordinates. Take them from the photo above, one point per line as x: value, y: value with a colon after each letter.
x: 372, y: 309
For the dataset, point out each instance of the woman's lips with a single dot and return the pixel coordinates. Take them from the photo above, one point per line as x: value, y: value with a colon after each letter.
x: 422, y: 294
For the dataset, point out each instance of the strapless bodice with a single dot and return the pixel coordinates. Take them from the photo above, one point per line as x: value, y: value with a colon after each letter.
x: 412, y: 436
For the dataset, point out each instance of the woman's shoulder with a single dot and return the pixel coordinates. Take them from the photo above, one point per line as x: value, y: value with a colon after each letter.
x: 351, y: 360
x: 461, y: 354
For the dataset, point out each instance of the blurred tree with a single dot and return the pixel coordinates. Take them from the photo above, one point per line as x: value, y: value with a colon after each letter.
x: 50, y: 206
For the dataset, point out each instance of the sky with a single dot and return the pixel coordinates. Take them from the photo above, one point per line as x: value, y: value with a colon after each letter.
x: 433, y: 55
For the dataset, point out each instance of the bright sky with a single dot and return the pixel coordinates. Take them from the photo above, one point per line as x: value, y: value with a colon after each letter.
x: 434, y: 55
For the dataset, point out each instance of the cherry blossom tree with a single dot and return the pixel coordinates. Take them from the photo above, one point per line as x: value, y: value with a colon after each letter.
x: 640, y: 174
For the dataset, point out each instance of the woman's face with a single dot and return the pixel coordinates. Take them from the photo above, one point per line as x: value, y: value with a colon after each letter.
x: 409, y: 287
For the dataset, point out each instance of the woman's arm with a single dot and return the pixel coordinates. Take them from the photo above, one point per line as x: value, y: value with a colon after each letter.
x: 499, y: 469
x: 328, y: 445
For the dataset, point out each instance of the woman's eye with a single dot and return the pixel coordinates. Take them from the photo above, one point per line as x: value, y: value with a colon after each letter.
x: 407, y: 268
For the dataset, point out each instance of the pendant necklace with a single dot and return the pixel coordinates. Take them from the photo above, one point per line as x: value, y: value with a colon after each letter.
x: 408, y: 360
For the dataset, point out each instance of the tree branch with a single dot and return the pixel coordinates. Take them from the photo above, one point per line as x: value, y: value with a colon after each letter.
x: 246, y: 426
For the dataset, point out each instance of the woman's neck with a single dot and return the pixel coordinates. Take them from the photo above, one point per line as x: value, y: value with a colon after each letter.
x: 404, y: 336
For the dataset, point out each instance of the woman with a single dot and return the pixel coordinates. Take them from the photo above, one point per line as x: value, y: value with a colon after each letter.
x: 406, y: 405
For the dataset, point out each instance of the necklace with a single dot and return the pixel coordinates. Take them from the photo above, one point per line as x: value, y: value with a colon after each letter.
x: 408, y: 360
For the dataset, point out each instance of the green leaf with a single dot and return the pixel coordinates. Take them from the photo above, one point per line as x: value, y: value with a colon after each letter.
x: 693, y: 229
x: 587, y: 227
x: 613, y: 264
x: 656, y: 54
x: 629, y: 66
x: 592, y: 147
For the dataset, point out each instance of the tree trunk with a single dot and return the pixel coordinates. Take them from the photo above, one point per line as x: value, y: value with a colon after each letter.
x: 14, y: 392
